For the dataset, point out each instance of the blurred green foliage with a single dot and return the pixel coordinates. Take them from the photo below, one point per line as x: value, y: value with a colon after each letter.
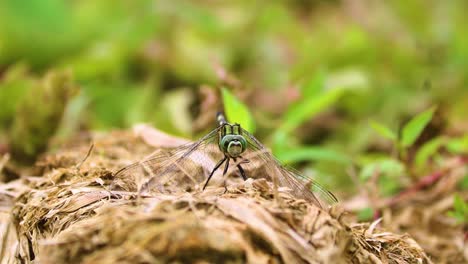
x: 237, y: 111
x: 315, y: 73
x: 460, y: 209
x: 365, y: 214
x: 38, y: 113
x: 415, y: 127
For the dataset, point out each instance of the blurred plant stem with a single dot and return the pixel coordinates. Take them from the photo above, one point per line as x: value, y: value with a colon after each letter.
x: 39, y: 113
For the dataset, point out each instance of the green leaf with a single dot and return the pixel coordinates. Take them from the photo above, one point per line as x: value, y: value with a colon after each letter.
x: 319, y: 93
x: 281, y: 141
x: 383, y: 131
x: 456, y: 215
x: 427, y: 150
x: 458, y: 204
x: 389, y: 172
x: 460, y: 209
x: 388, y: 186
x: 237, y: 112
x: 385, y: 166
x: 413, y: 129
x: 458, y: 145
x: 365, y: 214
x: 312, y: 153
x: 463, y: 184
x: 313, y: 86
x: 368, y: 171
x: 306, y: 109
x: 350, y: 79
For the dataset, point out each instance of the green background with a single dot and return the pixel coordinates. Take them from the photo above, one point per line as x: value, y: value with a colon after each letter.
x: 320, y: 78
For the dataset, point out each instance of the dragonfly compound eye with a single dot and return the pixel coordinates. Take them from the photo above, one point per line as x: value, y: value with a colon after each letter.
x: 233, y: 145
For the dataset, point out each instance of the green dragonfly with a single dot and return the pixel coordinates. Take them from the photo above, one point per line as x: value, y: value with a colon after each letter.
x: 194, y: 165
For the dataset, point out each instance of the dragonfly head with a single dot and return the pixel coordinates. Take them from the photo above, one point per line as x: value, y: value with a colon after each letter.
x: 233, y: 145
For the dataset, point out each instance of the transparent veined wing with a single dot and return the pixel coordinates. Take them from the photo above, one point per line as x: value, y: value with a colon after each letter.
x: 187, y: 167
x: 171, y: 170
x: 300, y: 185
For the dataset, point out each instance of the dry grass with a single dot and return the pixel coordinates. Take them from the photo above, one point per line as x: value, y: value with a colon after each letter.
x: 69, y: 215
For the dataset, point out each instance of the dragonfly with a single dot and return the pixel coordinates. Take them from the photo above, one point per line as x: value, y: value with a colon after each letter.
x: 227, y: 151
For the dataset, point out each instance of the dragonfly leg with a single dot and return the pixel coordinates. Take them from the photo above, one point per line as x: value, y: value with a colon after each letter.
x: 213, y: 171
x: 225, y: 187
x: 226, y: 167
x: 224, y: 173
x: 242, y: 172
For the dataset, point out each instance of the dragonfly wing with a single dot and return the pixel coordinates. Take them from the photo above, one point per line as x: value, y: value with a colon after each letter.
x: 308, y: 185
x: 172, y: 170
x: 301, y: 186
x: 131, y: 177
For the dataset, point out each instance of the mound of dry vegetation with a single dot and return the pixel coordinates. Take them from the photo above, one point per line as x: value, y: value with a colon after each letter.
x: 69, y: 215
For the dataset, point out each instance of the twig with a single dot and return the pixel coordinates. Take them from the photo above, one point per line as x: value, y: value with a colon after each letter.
x: 4, y: 161
x: 78, y: 166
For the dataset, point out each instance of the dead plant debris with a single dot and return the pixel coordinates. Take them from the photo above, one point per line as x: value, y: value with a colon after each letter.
x: 69, y: 215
